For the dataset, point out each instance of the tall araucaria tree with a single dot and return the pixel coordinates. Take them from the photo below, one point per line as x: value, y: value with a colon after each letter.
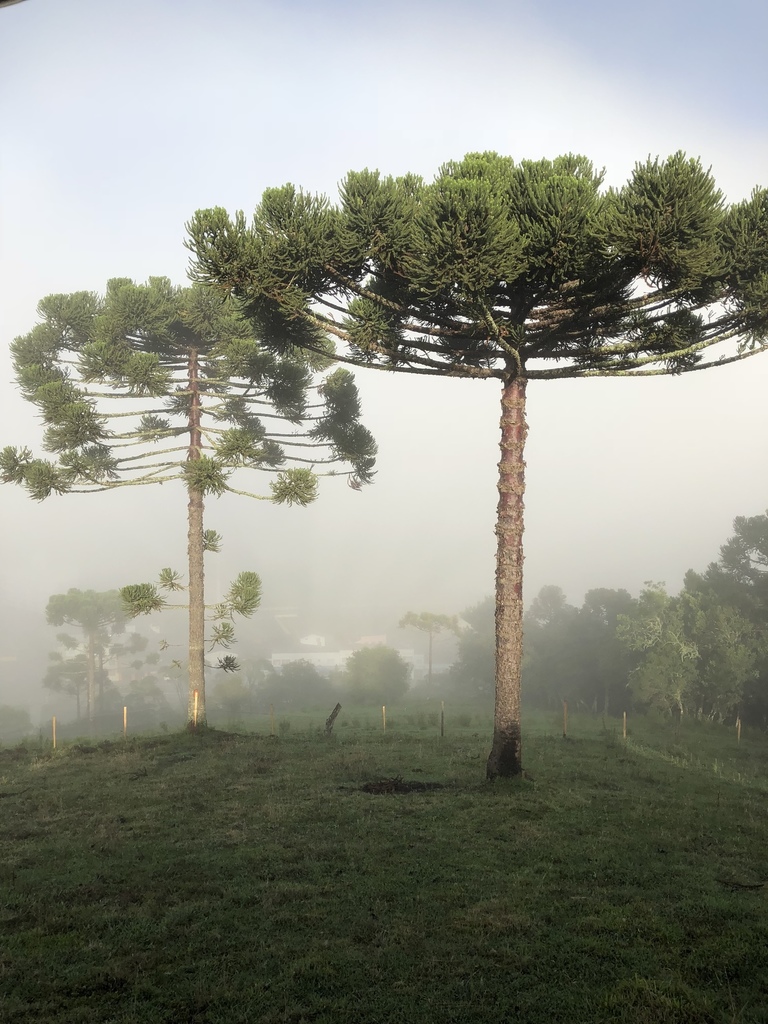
x: 152, y: 383
x: 519, y: 272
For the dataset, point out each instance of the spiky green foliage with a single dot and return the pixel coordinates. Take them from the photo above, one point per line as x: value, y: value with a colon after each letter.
x: 223, y: 635
x: 135, y: 343
x: 244, y: 595
x: 212, y: 541
x: 243, y: 598
x: 294, y: 487
x: 169, y: 579
x: 141, y: 599
x: 499, y: 267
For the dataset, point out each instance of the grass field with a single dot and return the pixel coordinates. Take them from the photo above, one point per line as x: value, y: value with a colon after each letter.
x: 230, y: 878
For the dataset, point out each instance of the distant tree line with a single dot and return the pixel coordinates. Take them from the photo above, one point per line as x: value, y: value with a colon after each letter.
x: 372, y: 675
x: 701, y: 652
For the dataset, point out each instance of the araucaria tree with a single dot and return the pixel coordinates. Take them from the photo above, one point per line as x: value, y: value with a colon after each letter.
x: 152, y: 383
x: 432, y: 624
x: 515, y: 271
x: 98, y: 615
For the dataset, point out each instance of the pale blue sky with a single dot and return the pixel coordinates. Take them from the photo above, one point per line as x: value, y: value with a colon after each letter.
x: 117, y: 121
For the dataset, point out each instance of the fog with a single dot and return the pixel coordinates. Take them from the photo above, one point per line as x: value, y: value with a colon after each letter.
x: 118, y: 121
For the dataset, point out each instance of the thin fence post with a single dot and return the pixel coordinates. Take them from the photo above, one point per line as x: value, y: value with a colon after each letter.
x: 384, y: 717
x: 738, y: 729
x: 53, y: 728
x: 442, y: 718
x: 565, y: 719
x: 625, y: 725
x: 125, y: 721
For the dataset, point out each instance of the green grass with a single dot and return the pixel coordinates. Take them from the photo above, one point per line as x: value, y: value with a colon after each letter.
x: 246, y: 878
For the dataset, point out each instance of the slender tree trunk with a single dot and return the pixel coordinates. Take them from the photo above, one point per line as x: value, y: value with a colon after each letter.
x: 505, y: 759
x: 195, y: 557
x: 91, y: 681
x: 101, y: 680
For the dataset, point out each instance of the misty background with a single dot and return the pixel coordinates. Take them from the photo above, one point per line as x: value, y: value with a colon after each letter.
x: 118, y: 122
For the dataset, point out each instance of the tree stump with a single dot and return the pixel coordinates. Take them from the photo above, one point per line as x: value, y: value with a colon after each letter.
x: 331, y: 719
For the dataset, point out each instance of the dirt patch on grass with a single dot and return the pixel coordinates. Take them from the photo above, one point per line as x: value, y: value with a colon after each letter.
x: 400, y: 785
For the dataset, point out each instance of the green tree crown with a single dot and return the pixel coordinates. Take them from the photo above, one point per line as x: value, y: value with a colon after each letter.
x: 518, y: 271
x: 376, y: 674
x: 258, y: 410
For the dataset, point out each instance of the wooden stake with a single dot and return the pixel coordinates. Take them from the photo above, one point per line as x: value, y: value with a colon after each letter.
x: 197, y: 695
x: 738, y: 730
x: 272, y: 719
x: 442, y: 718
x: 125, y: 722
x: 384, y: 717
x: 625, y: 725
x: 565, y: 719
x: 53, y: 726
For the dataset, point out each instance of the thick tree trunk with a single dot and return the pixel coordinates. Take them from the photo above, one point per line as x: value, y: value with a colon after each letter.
x: 505, y: 759
x: 196, y: 591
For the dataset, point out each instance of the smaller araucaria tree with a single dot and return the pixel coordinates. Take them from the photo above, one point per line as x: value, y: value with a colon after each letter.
x: 97, y: 615
x: 153, y: 383
x: 431, y: 624
x: 67, y: 670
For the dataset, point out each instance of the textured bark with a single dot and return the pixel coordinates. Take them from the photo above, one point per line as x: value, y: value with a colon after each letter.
x: 505, y: 759
x: 196, y: 591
